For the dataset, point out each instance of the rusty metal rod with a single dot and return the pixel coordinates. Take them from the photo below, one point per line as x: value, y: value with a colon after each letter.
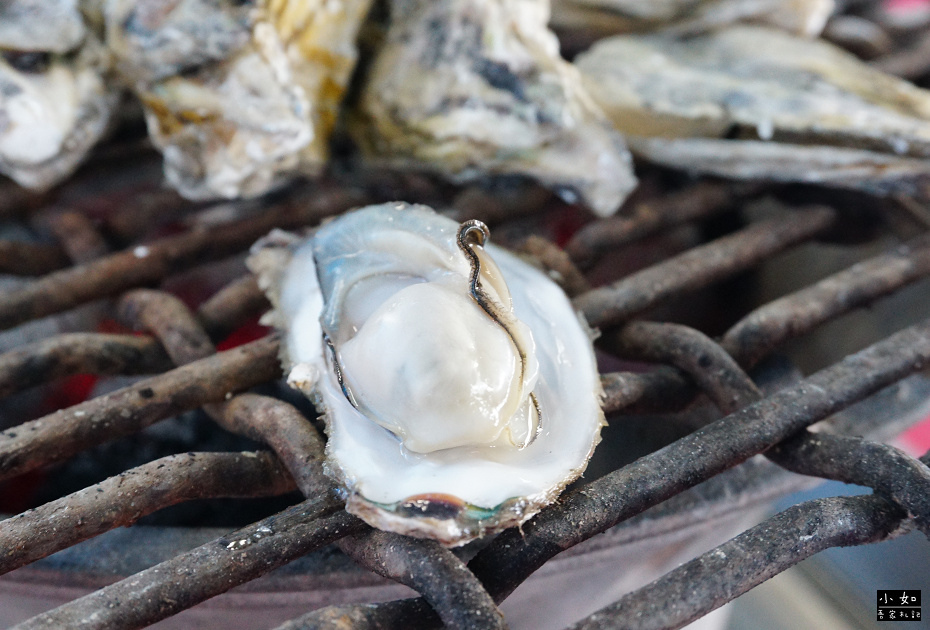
x: 104, y: 354
x: 651, y: 392
x: 122, y: 500
x: 76, y: 233
x: 286, y: 431
x: 708, y: 365
x: 20, y: 258
x: 566, y: 274
x: 66, y: 432
x: 432, y: 570
x: 695, y: 202
x: 197, y: 575
x: 169, y: 319
x: 146, y: 264
x: 79, y: 353
x: 726, y: 572
x: 757, y: 334
x: 701, y: 266
x: 232, y: 305
x: 893, y: 474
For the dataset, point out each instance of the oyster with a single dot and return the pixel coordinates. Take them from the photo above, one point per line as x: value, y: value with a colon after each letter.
x: 458, y: 383
x: 54, y: 102
x: 475, y: 87
x: 825, y: 115
x: 238, y: 97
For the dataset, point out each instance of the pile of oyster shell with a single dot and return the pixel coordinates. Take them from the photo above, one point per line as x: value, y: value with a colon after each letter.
x: 241, y: 96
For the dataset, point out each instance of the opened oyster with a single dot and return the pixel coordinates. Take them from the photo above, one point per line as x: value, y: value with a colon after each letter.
x: 458, y: 384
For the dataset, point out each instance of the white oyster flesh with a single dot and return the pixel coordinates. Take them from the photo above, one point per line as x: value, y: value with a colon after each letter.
x: 446, y: 419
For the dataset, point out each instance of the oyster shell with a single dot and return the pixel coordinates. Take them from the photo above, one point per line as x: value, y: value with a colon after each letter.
x: 54, y: 102
x: 815, y: 105
x: 475, y: 87
x: 41, y: 25
x: 613, y: 17
x: 458, y: 384
x: 237, y: 97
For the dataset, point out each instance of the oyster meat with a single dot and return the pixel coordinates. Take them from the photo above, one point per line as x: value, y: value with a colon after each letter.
x: 469, y: 88
x: 54, y: 102
x: 457, y: 382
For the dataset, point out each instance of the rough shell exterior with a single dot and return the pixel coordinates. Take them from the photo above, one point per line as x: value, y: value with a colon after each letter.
x: 475, y: 88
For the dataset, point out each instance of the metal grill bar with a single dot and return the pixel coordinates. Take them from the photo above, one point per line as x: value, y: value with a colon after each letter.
x: 79, y: 353
x: 890, y: 472
x: 696, y: 202
x: 723, y: 574
x: 769, y: 326
x: 701, y: 266
x: 105, y: 354
x: 150, y: 263
x: 122, y: 500
x: 204, y: 572
x: 714, y: 371
x: 123, y: 412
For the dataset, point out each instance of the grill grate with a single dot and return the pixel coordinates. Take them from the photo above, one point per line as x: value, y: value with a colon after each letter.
x: 178, y: 344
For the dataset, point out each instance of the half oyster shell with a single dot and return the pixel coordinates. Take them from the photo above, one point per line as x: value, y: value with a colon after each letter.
x: 457, y: 382
x: 469, y: 88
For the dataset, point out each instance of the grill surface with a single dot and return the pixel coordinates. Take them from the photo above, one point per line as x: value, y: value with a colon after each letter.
x: 122, y: 249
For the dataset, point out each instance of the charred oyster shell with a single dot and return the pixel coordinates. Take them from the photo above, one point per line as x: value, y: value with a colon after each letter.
x: 612, y: 17
x: 469, y: 88
x: 457, y: 383
x: 794, y: 109
x: 237, y: 97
